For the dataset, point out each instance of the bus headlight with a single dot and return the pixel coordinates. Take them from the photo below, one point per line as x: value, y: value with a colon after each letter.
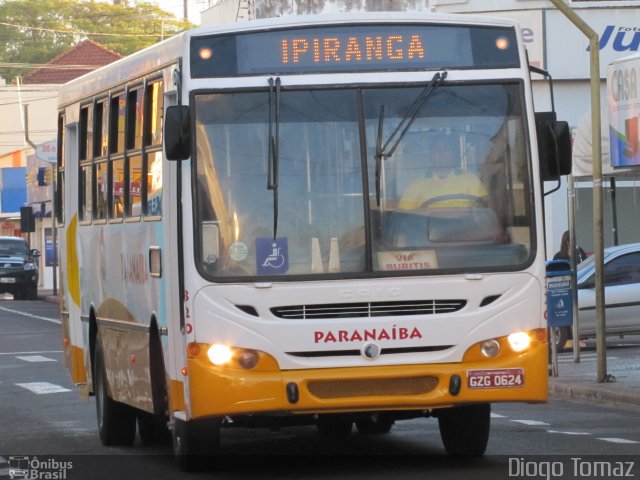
x: 248, y: 359
x: 519, y: 341
x: 219, y: 354
x: 490, y: 348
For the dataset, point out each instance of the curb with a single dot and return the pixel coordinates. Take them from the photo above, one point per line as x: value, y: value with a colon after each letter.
x: 594, y: 393
x: 48, y: 298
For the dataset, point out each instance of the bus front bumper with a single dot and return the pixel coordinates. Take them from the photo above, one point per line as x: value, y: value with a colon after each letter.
x: 232, y: 390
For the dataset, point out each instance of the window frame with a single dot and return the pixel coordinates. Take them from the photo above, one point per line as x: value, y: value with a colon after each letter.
x: 116, y: 155
x: 99, y: 160
x: 85, y: 209
x: 59, y: 186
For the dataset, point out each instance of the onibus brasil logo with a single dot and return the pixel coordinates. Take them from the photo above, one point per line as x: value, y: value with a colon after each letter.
x: 34, y: 468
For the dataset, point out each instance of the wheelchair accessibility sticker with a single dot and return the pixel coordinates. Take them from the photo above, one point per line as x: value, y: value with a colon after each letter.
x: 272, y: 256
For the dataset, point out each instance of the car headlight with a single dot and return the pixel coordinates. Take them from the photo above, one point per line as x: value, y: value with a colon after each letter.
x: 29, y: 266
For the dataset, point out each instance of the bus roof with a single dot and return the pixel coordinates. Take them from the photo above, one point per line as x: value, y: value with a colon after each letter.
x: 170, y: 51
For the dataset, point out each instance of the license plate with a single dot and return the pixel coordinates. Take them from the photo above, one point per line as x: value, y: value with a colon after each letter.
x: 7, y: 280
x: 496, y: 378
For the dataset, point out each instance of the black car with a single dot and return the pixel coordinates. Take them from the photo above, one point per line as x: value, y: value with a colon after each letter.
x: 18, y: 268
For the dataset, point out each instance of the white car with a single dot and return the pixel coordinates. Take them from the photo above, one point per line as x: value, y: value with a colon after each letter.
x: 621, y: 294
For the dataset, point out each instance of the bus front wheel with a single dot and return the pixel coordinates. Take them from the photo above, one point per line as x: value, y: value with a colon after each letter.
x: 116, y: 421
x: 465, y: 430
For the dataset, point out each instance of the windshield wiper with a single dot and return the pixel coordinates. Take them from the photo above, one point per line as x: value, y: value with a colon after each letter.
x: 386, y: 149
x: 274, y: 147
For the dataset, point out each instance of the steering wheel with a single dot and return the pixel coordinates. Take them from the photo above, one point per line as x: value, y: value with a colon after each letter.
x: 472, y: 200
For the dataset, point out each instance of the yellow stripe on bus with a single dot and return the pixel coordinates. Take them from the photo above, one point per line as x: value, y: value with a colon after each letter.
x: 73, y: 272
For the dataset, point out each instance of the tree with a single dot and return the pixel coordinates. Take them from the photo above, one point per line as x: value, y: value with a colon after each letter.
x: 35, y: 31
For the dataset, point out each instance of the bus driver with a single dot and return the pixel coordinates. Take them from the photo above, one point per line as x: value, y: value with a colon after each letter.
x: 445, y: 185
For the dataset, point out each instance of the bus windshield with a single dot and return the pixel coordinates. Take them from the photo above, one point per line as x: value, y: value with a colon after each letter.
x: 454, y: 195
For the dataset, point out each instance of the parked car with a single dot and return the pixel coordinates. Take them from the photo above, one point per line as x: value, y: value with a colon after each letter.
x: 18, y: 268
x: 621, y: 293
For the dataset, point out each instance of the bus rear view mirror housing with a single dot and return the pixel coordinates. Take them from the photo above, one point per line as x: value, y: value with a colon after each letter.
x: 554, y: 146
x: 177, y: 132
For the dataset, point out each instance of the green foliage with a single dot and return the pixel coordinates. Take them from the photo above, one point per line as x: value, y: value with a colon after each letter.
x: 35, y: 31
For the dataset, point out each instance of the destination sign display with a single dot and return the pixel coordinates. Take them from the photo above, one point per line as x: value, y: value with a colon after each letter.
x: 348, y: 48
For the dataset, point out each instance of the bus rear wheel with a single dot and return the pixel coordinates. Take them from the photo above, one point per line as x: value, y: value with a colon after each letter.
x: 465, y: 430
x: 116, y: 421
x: 195, y: 442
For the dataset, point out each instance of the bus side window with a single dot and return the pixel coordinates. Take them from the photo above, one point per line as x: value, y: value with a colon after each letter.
x: 133, y: 145
x: 116, y: 154
x: 85, y: 197
x: 100, y: 139
x: 154, y: 106
x: 58, y: 185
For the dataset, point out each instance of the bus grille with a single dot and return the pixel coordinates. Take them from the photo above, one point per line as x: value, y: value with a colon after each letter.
x: 380, y: 387
x: 368, y: 309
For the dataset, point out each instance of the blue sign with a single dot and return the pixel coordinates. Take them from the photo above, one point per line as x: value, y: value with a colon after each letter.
x: 50, y: 249
x: 272, y: 256
x: 559, y: 301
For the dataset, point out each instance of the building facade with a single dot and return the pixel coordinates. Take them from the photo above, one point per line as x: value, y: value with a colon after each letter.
x: 28, y: 124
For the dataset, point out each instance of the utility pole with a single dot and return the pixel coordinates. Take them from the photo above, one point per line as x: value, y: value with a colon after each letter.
x: 185, y: 10
x: 596, y: 142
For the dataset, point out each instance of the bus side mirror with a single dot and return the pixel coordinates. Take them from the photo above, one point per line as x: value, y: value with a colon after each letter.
x: 177, y: 132
x: 554, y: 146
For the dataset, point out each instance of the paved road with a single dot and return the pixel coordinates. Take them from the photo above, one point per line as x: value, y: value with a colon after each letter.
x: 44, y: 416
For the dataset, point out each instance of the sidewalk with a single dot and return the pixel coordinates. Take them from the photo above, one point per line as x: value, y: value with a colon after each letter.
x: 47, y: 295
x: 577, y: 381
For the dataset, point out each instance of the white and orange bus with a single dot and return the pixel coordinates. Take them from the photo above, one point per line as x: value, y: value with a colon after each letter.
x: 237, y: 247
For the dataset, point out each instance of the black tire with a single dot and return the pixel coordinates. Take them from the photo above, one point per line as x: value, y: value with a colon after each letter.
x: 153, y: 429
x: 374, y: 424
x: 18, y: 295
x: 465, y: 430
x: 116, y: 421
x: 562, y: 335
x: 32, y: 293
x: 195, y: 443
x: 335, y: 424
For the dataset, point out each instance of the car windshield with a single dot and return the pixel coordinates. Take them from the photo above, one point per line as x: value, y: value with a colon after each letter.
x: 293, y: 183
x: 13, y: 247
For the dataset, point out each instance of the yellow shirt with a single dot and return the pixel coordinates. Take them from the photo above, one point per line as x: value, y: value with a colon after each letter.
x: 423, y: 189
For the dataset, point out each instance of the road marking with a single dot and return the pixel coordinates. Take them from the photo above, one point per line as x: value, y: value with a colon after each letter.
x: 36, y: 358
x: 30, y: 353
x: 538, y: 423
x: 617, y: 440
x: 568, y: 433
x: 497, y: 415
x: 18, y: 312
x: 533, y: 423
x: 43, y: 387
